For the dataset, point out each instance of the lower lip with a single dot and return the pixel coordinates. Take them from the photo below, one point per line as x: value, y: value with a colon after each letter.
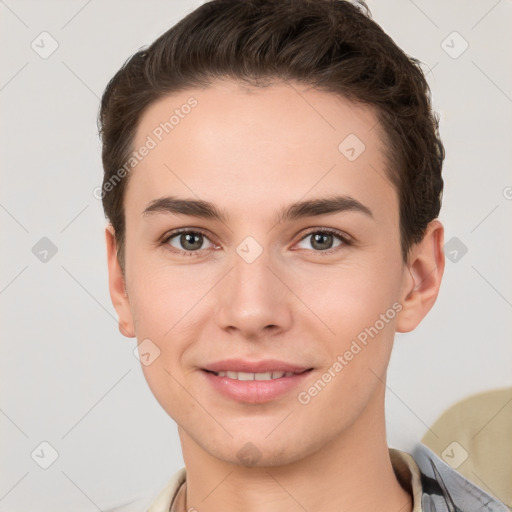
x: 255, y: 391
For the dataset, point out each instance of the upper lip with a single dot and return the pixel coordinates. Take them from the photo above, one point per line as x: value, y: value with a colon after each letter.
x: 263, y: 366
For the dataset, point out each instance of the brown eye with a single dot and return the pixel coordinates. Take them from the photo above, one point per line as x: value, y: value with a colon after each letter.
x: 323, y: 240
x: 187, y: 241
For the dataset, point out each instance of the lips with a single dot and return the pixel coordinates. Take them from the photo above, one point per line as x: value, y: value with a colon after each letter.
x: 254, y: 381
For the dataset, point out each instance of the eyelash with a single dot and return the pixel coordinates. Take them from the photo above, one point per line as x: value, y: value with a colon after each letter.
x: 346, y: 241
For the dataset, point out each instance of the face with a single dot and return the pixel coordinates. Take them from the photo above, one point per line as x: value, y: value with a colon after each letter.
x: 263, y: 286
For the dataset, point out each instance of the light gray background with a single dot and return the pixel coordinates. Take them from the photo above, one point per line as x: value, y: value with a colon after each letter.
x: 71, y: 380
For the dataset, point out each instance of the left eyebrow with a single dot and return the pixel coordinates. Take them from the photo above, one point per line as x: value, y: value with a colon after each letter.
x: 322, y: 206
x: 294, y: 211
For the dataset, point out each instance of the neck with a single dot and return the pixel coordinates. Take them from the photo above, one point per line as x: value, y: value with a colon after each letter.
x: 353, y: 472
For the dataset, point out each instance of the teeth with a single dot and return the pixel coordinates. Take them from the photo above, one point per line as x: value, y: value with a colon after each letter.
x: 245, y: 376
x: 263, y: 376
x: 253, y: 376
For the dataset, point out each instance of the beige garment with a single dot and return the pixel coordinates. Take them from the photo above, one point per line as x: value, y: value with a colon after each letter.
x: 172, y: 497
x: 474, y: 436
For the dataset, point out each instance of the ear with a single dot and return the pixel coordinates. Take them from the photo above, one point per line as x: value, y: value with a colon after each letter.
x: 117, y: 286
x: 425, y: 269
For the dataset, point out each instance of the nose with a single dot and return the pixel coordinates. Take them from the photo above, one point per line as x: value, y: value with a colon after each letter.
x: 254, y: 299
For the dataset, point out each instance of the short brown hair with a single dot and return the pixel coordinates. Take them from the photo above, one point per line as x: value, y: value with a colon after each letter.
x: 332, y: 45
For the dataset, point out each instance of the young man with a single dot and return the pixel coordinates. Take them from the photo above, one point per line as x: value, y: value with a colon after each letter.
x: 272, y: 184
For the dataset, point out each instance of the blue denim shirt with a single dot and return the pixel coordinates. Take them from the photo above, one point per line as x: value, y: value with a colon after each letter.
x: 446, y: 490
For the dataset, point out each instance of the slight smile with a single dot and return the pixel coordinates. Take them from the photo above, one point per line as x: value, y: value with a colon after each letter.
x: 254, y: 382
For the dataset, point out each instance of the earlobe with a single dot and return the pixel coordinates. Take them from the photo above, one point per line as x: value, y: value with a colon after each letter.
x: 425, y: 271
x: 117, y: 286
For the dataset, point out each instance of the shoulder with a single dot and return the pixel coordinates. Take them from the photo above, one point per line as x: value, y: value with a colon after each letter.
x: 445, y: 490
x: 165, y: 498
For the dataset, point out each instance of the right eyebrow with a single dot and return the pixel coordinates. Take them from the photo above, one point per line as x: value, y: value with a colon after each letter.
x: 192, y: 207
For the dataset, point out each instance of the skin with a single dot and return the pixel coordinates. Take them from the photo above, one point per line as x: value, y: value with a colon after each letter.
x: 252, y: 152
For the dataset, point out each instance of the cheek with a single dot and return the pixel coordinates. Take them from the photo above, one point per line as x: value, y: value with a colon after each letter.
x: 359, y: 307
x: 351, y: 297
x: 166, y: 302
x: 162, y: 294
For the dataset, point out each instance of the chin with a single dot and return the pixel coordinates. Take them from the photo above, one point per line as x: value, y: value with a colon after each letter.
x: 258, y: 450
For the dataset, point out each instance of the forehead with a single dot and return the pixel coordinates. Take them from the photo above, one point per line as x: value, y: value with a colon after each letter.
x: 254, y: 146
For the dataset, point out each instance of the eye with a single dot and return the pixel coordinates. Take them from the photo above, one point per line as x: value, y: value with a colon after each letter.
x: 187, y: 242
x: 323, y: 240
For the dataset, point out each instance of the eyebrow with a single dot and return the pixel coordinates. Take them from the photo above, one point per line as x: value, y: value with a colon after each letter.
x: 294, y: 211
